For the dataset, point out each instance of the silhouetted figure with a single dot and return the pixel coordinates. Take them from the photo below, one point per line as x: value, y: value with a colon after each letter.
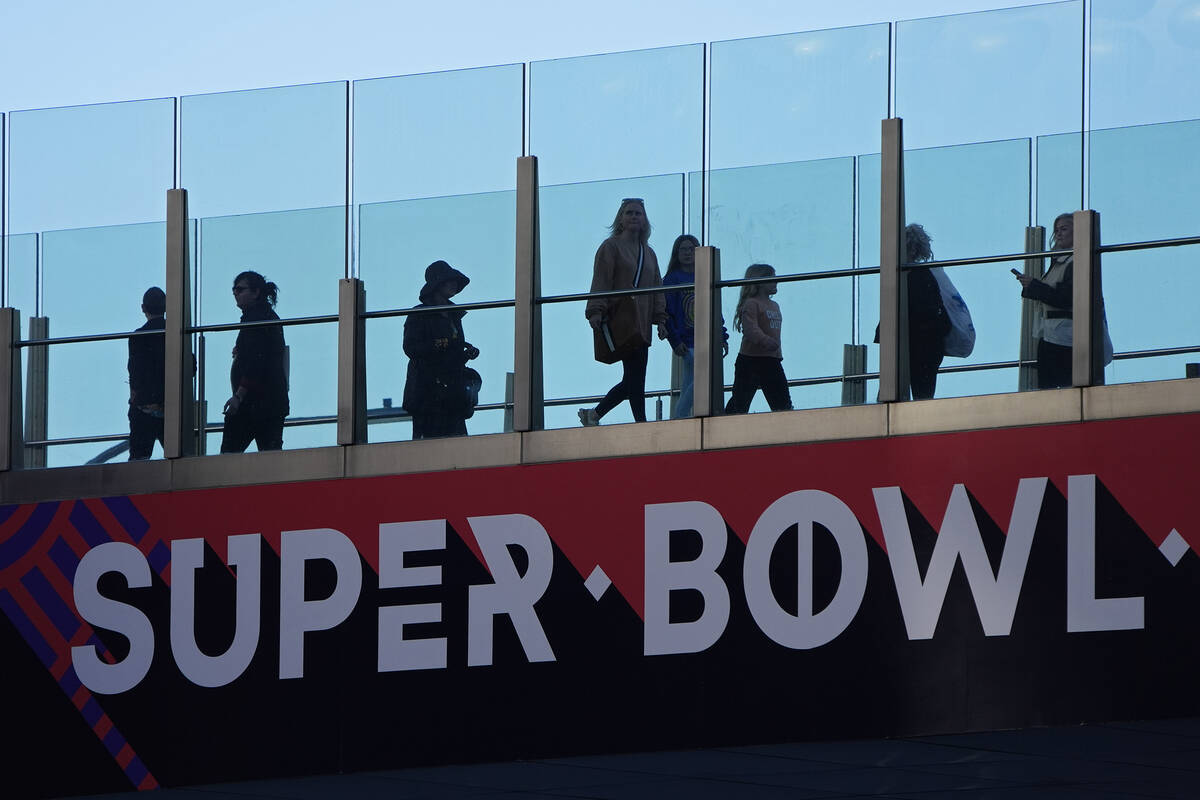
x: 759, y: 364
x: 928, y: 322
x: 147, y: 354
x: 625, y: 261
x: 1056, y: 292
x: 435, y: 393
x: 681, y: 319
x: 259, y: 404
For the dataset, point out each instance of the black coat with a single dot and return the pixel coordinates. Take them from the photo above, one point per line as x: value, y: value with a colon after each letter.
x: 437, y: 354
x: 258, y: 363
x: 147, y: 355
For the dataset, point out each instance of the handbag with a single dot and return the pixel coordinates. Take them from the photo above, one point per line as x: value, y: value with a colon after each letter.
x: 473, y: 382
x: 618, y: 335
x: 960, y: 341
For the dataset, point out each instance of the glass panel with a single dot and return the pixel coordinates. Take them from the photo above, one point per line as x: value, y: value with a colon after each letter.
x: 490, y: 330
x: 87, y: 395
x: 576, y: 217
x: 303, y: 252
x: 93, y: 278
x: 1059, y: 177
x: 617, y: 115
x: 1143, y: 181
x: 89, y: 166
x: 475, y: 234
x: 264, y: 150
x: 991, y: 75
x: 798, y: 217
x: 816, y: 322
x: 973, y: 200
x: 23, y: 274
x: 1144, y: 61
x: 1149, y: 298
x: 420, y: 135
x: 867, y: 302
x: 799, y: 96
x: 573, y: 379
x: 311, y: 360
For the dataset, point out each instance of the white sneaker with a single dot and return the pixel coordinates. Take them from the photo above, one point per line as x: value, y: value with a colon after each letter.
x: 588, y: 417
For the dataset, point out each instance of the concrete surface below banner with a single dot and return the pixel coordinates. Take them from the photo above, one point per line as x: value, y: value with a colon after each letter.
x: 1154, y: 759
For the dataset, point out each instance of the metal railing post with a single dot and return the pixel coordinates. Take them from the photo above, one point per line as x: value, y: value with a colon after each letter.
x: 179, y: 407
x: 1032, y: 312
x: 352, y: 372
x: 893, y: 327
x: 708, y: 386
x: 36, y: 404
x: 1087, y: 348
x: 528, y: 390
x: 12, y: 455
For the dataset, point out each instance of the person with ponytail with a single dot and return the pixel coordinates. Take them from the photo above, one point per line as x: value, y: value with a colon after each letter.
x: 759, y: 363
x: 259, y: 404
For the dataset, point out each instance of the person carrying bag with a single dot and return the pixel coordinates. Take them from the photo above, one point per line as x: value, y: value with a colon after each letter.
x: 621, y: 325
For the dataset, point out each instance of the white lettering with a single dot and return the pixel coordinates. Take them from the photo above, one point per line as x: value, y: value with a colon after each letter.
x: 187, y: 555
x: 396, y: 539
x: 297, y: 615
x: 1084, y: 611
x: 102, y: 612
x: 662, y: 576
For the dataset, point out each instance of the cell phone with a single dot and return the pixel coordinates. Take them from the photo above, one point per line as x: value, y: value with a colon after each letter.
x: 1016, y: 272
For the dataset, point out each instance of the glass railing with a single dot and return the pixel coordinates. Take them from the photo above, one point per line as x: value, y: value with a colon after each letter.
x: 634, y: 113
x: 1006, y: 74
x: 798, y: 96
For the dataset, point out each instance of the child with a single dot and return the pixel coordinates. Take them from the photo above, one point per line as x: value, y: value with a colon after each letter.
x: 759, y: 363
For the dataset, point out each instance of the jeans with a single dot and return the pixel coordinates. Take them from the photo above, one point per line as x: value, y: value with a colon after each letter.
x: 687, y: 380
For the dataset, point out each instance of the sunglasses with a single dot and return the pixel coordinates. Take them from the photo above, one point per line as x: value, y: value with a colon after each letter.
x: 240, y: 289
x: 632, y: 200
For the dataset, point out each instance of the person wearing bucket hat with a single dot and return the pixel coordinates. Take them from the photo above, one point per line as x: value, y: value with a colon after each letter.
x: 440, y: 390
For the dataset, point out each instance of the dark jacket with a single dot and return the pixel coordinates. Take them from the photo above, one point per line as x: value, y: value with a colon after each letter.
x: 147, y: 355
x: 258, y: 363
x: 437, y: 354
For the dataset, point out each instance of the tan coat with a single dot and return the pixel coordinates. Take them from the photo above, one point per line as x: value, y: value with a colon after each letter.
x: 615, y: 266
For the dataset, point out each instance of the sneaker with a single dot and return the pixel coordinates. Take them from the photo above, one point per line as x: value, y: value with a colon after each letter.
x: 588, y: 417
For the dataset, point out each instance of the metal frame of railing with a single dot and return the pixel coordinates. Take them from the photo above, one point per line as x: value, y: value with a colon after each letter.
x: 527, y: 403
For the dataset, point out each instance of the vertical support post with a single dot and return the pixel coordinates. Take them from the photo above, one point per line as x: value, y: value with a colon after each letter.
x: 1087, y: 348
x: 509, y: 383
x: 179, y: 407
x: 11, y: 445
x: 36, y: 404
x: 352, y: 372
x: 893, y: 305
x: 709, y: 374
x: 528, y: 394
x: 1032, y: 311
x: 854, y: 362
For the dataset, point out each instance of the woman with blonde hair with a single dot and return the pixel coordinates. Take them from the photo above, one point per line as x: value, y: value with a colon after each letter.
x: 625, y: 260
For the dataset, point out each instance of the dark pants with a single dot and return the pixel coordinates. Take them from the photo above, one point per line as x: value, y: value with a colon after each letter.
x: 1053, y: 365
x: 751, y: 373
x: 632, y: 386
x: 435, y: 426
x: 144, y: 430
x: 924, y: 358
x: 265, y: 429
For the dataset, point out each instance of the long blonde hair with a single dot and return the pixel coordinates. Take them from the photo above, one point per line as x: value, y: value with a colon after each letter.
x: 618, y: 224
x: 751, y: 290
